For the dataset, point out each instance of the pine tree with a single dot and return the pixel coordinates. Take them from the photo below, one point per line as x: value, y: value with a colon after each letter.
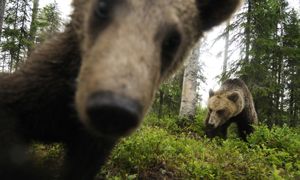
x: 24, y: 26
x: 291, y: 49
x: 49, y: 21
x: 263, y: 63
x: 15, y: 33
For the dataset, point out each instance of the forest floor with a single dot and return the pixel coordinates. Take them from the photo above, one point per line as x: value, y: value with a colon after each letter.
x: 161, y: 149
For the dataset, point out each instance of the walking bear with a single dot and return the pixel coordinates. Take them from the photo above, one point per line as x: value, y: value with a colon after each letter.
x: 92, y: 84
x: 232, y: 103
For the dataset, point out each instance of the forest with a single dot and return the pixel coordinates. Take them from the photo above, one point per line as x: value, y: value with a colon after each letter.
x: 171, y: 143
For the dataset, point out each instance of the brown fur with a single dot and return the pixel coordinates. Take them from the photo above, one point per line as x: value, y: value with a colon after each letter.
x: 138, y: 49
x: 119, y: 50
x: 232, y: 103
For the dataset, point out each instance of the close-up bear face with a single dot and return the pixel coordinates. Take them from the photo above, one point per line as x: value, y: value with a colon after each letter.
x: 128, y: 48
x: 92, y: 84
x: 124, y: 62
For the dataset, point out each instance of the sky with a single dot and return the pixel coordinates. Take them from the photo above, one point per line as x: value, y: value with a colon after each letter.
x: 210, y: 58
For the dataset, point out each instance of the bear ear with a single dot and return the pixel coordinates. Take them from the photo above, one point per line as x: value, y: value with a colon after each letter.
x: 214, y: 12
x: 211, y: 93
x: 234, y: 96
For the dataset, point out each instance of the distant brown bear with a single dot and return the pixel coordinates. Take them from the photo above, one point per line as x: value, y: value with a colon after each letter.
x: 92, y: 84
x: 232, y: 103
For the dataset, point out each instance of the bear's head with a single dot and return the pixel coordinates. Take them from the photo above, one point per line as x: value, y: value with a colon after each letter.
x: 128, y: 48
x: 224, y: 105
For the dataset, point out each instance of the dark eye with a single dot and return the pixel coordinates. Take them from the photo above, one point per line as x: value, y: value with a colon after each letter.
x: 170, y: 46
x: 221, y: 112
x: 103, y: 8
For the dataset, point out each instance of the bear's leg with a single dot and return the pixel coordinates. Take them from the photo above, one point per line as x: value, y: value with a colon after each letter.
x: 219, y: 131
x: 85, y: 155
x: 210, y: 132
x: 242, y: 134
x: 223, y: 130
x: 15, y: 162
x: 11, y: 170
x: 244, y: 130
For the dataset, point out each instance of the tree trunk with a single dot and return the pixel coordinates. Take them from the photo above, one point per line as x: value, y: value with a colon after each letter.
x: 161, y: 103
x: 189, y: 86
x: 2, y: 9
x: 226, y: 50
x: 33, y: 25
x: 248, y: 31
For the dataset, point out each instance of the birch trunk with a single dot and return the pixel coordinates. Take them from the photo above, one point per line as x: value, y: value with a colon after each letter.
x: 33, y: 25
x: 226, y: 50
x: 2, y: 9
x: 189, y: 86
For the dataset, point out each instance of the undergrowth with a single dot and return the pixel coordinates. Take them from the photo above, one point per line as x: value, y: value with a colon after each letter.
x: 163, y: 149
x: 154, y: 152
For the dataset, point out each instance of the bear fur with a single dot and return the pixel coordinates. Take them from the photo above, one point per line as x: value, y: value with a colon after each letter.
x: 92, y: 84
x: 232, y: 103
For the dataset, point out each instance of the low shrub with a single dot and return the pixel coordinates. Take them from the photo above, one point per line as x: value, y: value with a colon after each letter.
x: 161, y: 150
x: 153, y: 152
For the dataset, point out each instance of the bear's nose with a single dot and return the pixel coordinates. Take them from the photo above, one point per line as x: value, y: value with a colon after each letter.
x: 210, y: 126
x: 113, y: 115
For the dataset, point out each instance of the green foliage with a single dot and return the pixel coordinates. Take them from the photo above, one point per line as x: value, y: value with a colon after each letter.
x: 168, y: 98
x: 201, y: 114
x: 24, y: 26
x: 174, y: 124
x: 49, y: 156
x: 15, y: 31
x: 167, y: 123
x: 280, y: 138
x: 281, y: 147
x: 155, y: 153
x: 49, y: 21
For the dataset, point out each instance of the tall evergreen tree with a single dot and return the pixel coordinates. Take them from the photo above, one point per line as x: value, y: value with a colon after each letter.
x: 24, y: 26
x: 15, y: 32
x: 291, y: 49
x: 49, y: 21
x: 263, y: 63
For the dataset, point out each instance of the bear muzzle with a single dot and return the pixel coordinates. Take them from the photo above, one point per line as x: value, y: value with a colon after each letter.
x: 214, y: 122
x: 113, y: 115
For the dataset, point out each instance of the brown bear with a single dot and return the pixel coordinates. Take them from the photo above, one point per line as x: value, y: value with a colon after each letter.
x: 92, y: 84
x: 232, y: 103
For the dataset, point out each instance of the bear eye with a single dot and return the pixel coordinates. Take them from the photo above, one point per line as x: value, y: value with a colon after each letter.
x: 103, y: 8
x: 221, y: 112
x: 170, y: 45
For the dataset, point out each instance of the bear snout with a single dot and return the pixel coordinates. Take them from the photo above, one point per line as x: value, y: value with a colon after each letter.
x: 113, y: 115
x: 210, y: 126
